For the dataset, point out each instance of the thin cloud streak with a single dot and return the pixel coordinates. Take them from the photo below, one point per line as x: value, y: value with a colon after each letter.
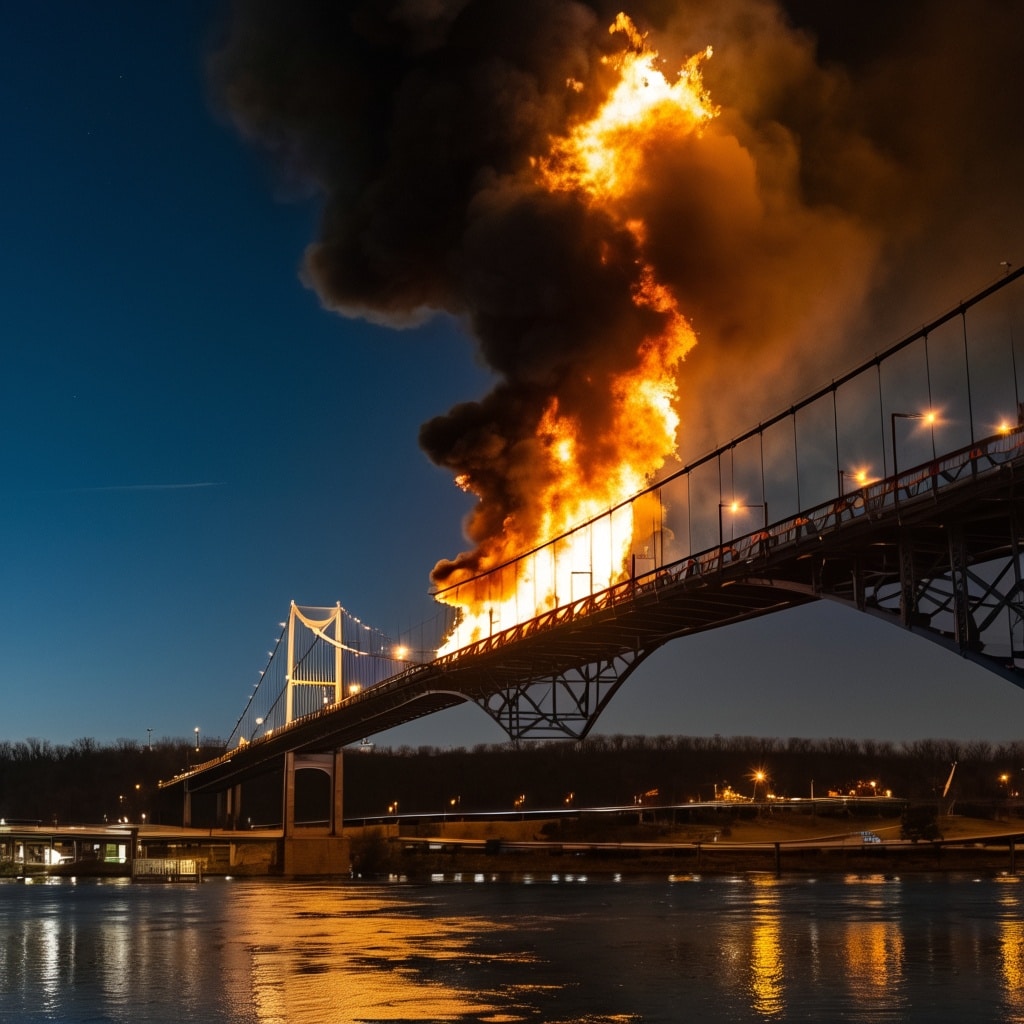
x: 140, y: 487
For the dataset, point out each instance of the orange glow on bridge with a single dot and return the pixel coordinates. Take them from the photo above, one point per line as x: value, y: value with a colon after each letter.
x: 599, y: 163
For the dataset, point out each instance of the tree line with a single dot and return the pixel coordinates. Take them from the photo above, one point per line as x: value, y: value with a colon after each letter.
x: 87, y: 781
x: 623, y: 770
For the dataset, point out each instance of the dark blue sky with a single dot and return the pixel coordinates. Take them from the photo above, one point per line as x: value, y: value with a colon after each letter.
x: 188, y: 441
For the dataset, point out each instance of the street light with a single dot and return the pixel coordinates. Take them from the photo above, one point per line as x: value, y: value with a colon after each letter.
x: 858, y: 476
x: 758, y: 776
x: 929, y: 417
x: 735, y: 506
x: 196, y: 730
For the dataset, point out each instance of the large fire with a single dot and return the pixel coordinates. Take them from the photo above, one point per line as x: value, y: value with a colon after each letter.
x: 601, y: 164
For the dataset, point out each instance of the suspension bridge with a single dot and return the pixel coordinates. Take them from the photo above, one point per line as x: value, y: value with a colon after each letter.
x: 895, y: 489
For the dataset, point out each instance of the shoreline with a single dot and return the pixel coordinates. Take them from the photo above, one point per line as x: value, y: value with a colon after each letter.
x: 761, y: 846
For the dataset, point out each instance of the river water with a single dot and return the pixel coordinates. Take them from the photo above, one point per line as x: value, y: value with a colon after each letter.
x: 547, y: 948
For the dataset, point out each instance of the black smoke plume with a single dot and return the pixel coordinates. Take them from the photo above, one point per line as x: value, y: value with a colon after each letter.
x: 867, y: 157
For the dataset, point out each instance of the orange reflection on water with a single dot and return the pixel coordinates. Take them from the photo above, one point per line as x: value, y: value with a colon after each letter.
x: 767, y: 966
x: 1011, y: 947
x: 354, y: 954
x: 875, y: 951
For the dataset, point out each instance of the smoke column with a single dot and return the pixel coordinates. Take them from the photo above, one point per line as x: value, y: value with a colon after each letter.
x: 864, y: 166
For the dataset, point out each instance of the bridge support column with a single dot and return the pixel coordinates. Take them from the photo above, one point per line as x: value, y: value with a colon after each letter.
x: 908, y: 587
x: 961, y: 595
x: 1014, y: 602
x: 229, y: 807
x: 316, y: 847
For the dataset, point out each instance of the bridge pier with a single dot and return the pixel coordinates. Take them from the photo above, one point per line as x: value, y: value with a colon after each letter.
x: 314, y: 847
x: 229, y: 807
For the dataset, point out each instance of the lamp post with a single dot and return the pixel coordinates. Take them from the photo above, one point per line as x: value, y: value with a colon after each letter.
x: 759, y: 776
x: 196, y: 730
x: 928, y: 417
x: 858, y: 476
x: 734, y: 507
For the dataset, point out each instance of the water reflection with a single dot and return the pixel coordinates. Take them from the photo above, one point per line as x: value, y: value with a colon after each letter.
x: 767, y: 967
x: 1011, y: 947
x: 330, y: 949
x: 746, y: 949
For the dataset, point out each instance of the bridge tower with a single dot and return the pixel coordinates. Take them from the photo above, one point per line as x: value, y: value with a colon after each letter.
x: 314, y: 676
x: 318, y: 668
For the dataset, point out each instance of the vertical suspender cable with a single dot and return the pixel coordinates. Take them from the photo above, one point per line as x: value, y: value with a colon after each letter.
x: 928, y: 378
x: 796, y: 461
x: 689, y: 520
x: 764, y: 495
x: 881, y: 418
x: 967, y: 368
x: 835, y: 434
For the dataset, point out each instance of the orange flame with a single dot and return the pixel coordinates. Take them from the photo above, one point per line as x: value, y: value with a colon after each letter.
x: 600, y: 162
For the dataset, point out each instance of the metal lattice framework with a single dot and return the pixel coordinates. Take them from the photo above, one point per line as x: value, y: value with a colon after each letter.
x: 563, y: 704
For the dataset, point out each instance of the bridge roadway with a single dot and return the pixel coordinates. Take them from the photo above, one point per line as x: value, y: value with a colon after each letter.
x: 853, y: 549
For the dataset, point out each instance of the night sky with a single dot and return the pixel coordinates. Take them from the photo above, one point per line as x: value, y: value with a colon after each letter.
x: 191, y: 438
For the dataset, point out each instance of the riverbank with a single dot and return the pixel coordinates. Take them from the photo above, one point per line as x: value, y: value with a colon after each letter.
x: 757, y: 844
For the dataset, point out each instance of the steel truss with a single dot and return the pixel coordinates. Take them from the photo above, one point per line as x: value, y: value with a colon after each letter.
x: 954, y: 579
x: 563, y: 704
x: 978, y: 611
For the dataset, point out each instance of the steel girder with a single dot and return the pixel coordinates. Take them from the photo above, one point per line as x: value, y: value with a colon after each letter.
x: 562, y: 704
x: 949, y: 574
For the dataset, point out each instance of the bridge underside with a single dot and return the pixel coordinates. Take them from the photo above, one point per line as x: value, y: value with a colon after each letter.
x: 947, y: 570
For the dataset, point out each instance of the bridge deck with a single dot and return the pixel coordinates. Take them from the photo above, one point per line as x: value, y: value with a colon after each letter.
x: 850, y: 549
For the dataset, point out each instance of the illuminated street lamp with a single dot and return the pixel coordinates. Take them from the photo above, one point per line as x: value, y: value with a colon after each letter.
x: 929, y: 417
x: 196, y: 730
x: 758, y: 776
x: 859, y: 477
x: 734, y: 507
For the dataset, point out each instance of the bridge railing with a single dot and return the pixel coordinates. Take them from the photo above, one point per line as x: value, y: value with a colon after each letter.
x: 880, y: 498
x: 843, y: 423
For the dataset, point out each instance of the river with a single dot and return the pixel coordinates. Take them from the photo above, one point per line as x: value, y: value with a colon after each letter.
x: 555, y: 949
